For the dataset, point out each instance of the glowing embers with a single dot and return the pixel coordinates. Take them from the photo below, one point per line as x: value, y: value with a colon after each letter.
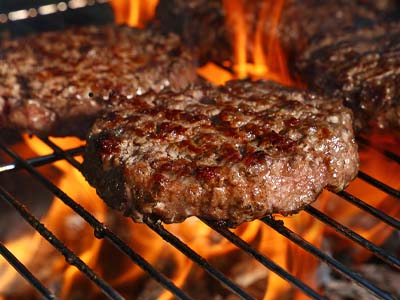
x: 133, y: 12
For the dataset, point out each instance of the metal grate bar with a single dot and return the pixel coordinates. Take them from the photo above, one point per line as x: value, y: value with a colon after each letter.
x: 378, y: 184
x: 124, y: 248
x: 170, y: 238
x: 21, y: 269
x: 387, y: 153
x: 41, y: 160
x: 379, y: 252
x: 178, y: 244
x: 99, y: 229
x: 286, y: 232
x: 370, y: 209
x: 265, y: 261
x: 70, y: 257
x: 57, y: 150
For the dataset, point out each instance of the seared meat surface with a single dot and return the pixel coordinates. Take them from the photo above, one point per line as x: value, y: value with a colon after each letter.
x: 56, y: 83
x: 360, y: 65
x: 233, y: 153
x: 303, y: 20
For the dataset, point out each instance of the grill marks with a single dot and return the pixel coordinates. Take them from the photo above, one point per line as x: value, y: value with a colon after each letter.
x: 221, y: 152
x: 57, y: 83
x: 362, y: 67
x: 229, y: 123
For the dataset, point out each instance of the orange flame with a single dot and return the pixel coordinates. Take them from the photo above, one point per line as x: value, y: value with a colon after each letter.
x: 135, y: 12
x: 257, y: 50
x: 256, y: 46
x: 78, y: 235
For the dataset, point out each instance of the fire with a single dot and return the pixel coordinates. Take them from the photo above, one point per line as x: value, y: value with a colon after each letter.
x: 135, y: 12
x: 257, y: 50
x: 264, y: 60
x: 78, y: 236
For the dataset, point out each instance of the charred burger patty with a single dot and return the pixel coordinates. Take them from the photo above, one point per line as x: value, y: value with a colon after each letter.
x: 362, y: 67
x: 233, y: 153
x: 55, y: 83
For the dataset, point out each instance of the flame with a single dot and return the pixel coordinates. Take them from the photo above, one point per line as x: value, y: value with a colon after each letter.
x: 215, y: 73
x: 53, y: 270
x: 257, y: 50
x: 135, y: 12
x: 376, y: 164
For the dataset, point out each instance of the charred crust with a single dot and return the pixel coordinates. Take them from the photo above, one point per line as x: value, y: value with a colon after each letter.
x: 106, y: 144
x: 83, y: 71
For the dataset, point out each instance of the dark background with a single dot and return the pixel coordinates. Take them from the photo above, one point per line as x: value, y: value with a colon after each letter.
x: 94, y: 14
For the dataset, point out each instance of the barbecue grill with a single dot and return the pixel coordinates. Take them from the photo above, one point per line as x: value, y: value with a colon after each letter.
x: 31, y: 165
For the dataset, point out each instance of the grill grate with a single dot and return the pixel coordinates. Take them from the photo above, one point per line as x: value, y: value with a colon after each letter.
x: 101, y: 231
x: 25, y: 273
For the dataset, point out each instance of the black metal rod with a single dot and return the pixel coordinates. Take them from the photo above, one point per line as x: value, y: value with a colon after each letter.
x: 70, y: 257
x: 61, y: 152
x: 265, y: 261
x: 170, y: 238
x: 186, y: 250
x: 378, y: 184
x: 378, y: 251
x: 99, y: 229
x: 370, y: 209
x: 41, y: 160
x: 21, y: 269
x: 279, y: 227
x: 387, y: 153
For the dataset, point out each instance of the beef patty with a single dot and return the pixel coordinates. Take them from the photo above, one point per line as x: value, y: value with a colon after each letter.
x: 360, y: 65
x: 55, y: 83
x: 233, y: 153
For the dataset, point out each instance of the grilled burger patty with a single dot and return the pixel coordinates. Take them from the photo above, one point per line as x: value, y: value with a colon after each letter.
x: 303, y: 20
x: 362, y: 67
x: 233, y: 153
x: 55, y: 83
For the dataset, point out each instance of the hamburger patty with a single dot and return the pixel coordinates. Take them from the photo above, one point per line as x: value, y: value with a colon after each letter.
x: 303, y: 20
x: 362, y: 67
x: 233, y: 153
x: 55, y: 83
